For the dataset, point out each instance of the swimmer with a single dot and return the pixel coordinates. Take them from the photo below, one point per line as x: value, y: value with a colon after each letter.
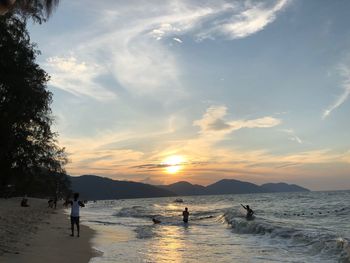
x: 250, y: 212
x: 185, y: 215
x: 156, y: 221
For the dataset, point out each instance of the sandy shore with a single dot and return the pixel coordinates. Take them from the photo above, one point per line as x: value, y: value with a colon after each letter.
x: 40, y: 234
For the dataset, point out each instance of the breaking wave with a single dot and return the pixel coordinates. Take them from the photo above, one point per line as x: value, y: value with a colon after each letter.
x: 314, y: 241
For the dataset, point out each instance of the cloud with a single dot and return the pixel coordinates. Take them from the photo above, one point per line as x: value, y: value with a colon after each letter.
x: 112, y: 152
x: 146, y: 68
x: 237, y: 19
x: 246, y: 18
x: 160, y: 166
x: 292, y: 135
x: 296, y: 139
x: 113, y: 155
x: 213, y: 115
x: 151, y: 166
x: 90, y: 154
x: 127, y: 41
x: 163, y: 29
x: 254, y: 19
x: 214, y: 128
x: 78, y: 78
x: 265, y: 122
x: 213, y: 122
x: 177, y: 40
x: 207, y: 150
x: 344, y: 71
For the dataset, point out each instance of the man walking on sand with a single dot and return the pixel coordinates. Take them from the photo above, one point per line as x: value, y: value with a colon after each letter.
x: 74, y: 214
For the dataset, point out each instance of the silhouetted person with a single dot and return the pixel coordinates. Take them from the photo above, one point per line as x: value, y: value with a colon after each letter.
x: 50, y: 202
x: 250, y: 212
x: 74, y: 214
x: 55, y: 202
x: 156, y: 221
x: 66, y: 202
x: 185, y: 215
x: 24, y: 202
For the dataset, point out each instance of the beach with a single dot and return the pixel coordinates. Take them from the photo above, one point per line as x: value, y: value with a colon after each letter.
x: 122, y: 230
x: 40, y: 234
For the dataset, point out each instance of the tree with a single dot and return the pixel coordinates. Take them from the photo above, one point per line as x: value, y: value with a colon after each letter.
x: 28, y: 147
x: 39, y: 10
x: 5, y: 6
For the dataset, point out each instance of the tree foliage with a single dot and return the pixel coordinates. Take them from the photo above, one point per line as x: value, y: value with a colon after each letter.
x: 39, y: 10
x: 28, y: 149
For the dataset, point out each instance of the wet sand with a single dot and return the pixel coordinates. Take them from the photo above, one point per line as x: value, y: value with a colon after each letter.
x: 40, y: 234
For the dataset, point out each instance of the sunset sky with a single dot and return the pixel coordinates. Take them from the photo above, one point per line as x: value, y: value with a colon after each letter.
x: 162, y: 91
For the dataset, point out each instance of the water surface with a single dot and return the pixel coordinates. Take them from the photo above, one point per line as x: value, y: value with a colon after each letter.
x: 289, y: 227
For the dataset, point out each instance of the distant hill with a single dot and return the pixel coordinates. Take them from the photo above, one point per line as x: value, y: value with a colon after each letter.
x: 185, y: 188
x: 98, y: 188
x: 230, y: 186
x: 283, y: 187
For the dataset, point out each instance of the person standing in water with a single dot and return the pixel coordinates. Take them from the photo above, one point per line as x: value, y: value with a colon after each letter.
x: 75, y: 213
x: 156, y: 221
x: 250, y: 212
x: 185, y: 215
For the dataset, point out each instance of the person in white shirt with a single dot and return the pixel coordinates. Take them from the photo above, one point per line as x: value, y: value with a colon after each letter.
x: 74, y: 214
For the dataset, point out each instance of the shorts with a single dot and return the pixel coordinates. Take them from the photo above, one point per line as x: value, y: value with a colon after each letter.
x: 74, y: 220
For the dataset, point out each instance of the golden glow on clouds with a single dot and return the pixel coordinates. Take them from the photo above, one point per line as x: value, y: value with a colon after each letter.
x: 203, y: 157
x: 174, y: 164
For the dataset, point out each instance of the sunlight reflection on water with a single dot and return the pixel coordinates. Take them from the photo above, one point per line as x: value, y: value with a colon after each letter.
x: 127, y: 234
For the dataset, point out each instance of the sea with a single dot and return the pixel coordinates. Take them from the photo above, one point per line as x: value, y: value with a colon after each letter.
x: 288, y: 227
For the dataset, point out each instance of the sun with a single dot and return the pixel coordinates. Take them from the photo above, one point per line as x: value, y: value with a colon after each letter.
x: 174, y: 164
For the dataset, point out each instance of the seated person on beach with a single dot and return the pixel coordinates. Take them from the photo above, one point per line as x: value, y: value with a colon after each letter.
x: 50, y: 202
x: 250, y: 212
x: 74, y: 214
x: 24, y: 202
x: 185, y: 215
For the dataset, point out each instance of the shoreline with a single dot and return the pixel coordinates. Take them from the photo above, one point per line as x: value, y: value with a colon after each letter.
x: 40, y: 234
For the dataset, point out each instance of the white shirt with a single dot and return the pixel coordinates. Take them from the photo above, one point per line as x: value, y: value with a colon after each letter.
x: 75, y: 209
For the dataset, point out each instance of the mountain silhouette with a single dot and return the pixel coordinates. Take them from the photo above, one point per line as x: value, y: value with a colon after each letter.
x: 283, y: 187
x: 231, y: 186
x: 185, y: 188
x: 100, y: 188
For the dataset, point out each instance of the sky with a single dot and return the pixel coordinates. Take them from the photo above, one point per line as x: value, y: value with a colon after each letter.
x: 165, y: 91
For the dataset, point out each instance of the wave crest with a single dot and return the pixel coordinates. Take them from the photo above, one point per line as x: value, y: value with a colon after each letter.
x: 314, y: 242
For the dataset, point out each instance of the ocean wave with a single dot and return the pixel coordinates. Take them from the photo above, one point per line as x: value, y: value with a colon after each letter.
x: 135, y: 211
x: 143, y: 232
x: 169, y: 216
x: 103, y: 222
x: 314, y: 242
x: 207, y: 213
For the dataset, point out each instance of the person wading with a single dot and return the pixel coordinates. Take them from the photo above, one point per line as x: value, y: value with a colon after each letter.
x: 250, y: 212
x: 185, y: 215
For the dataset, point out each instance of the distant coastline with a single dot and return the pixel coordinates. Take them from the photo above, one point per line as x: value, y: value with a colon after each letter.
x: 94, y: 187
